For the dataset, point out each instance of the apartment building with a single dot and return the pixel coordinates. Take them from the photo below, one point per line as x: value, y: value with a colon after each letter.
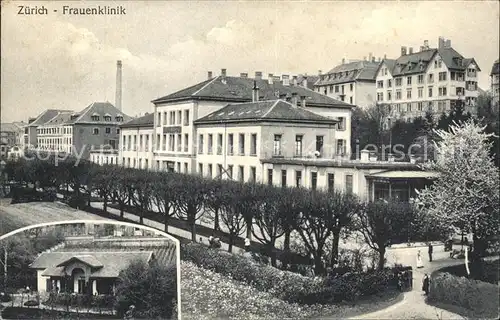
x: 495, y: 81
x: 12, y: 133
x: 352, y: 82
x: 430, y: 79
x: 136, y: 148
x: 94, y: 127
x: 175, y: 136
x: 234, y: 140
x: 30, y: 136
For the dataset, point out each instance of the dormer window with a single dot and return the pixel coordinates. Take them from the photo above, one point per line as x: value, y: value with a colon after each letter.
x: 95, y: 117
x: 107, y: 117
x: 119, y: 118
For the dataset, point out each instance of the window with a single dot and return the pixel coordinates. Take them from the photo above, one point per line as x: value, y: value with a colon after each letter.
x: 186, y: 167
x: 210, y: 143
x: 200, y: 169
x: 389, y: 83
x: 277, y: 145
x: 242, y: 144
x: 200, y: 144
x: 389, y: 95
x: 380, y: 84
x: 408, y: 107
x: 107, y: 118
x: 158, y: 141
x: 209, y: 173
x: 270, y: 177
x: 230, y: 171
x: 431, y: 78
x: 348, y: 183
x: 179, y: 117
x: 179, y: 142
x: 253, y: 174
x: 117, y: 130
x: 341, y: 125
x: 283, y: 178
x: 95, y: 131
x: 319, y: 144
x: 336, y: 89
x: 408, y: 80
x: 298, y: 145
x: 298, y: 178
x: 351, y: 87
x: 398, y: 82
x: 230, y: 144
x: 442, y: 91
x: 219, y: 143
x: 350, y: 100
x: 314, y: 180
x: 380, y: 96
x: 442, y: 76
x: 408, y: 93
x: 186, y: 142
x: 331, y: 89
x: 420, y: 106
x: 420, y: 92
x: 119, y: 119
x: 398, y: 94
x: 218, y: 173
x: 331, y: 182
x: 186, y: 117
x: 95, y: 118
x: 165, y: 118
x: 341, y: 147
x: 430, y: 92
x: 420, y: 79
x: 253, y: 144
x: 140, y: 142
x: 172, y: 117
x: 241, y: 174
x: 158, y: 119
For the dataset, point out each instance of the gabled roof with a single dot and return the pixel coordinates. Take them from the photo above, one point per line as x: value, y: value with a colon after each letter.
x: 60, y: 118
x: 495, y: 69
x: 356, y: 71
x: 145, y: 121
x: 238, y: 89
x: 87, y: 259
x: 264, y: 111
x: 112, y: 262
x: 311, y: 80
x: 98, y: 108
x: 46, y: 116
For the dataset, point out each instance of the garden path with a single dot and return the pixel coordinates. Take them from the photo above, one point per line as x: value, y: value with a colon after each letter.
x: 414, y: 305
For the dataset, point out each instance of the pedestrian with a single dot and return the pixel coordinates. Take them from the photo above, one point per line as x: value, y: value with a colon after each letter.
x: 247, y: 244
x: 211, y: 241
x: 217, y: 243
x: 430, y: 252
x: 425, y: 284
x: 420, y: 264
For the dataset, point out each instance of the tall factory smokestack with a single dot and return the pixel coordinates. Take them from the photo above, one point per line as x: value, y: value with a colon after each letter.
x: 118, y: 98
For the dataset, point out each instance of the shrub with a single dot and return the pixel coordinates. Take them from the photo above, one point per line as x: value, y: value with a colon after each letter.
x: 487, y: 271
x: 479, y: 297
x: 5, y: 297
x: 31, y: 303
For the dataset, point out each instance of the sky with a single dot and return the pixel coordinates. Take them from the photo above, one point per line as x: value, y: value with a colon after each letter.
x: 67, y: 61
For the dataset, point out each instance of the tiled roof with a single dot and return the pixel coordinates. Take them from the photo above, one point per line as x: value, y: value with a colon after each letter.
x: 144, y: 121
x: 238, y: 89
x: 8, y: 127
x: 99, y: 108
x: 60, y: 118
x: 87, y: 259
x: 46, y: 116
x: 311, y: 80
x: 496, y: 68
x: 352, y: 71
x: 112, y: 262
x: 268, y: 111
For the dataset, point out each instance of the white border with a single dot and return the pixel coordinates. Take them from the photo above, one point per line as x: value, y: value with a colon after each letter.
x: 106, y: 221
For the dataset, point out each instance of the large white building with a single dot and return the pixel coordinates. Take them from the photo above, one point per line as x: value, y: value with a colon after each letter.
x: 136, y: 149
x: 430, y: 79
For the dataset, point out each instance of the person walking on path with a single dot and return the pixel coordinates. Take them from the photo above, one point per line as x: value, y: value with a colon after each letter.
x: 420, y: 264
x: 425, y: 284
x: 430, y: 252
x: 247, y: 244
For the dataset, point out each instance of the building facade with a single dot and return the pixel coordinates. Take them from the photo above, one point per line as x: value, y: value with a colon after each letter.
x: 495, y: 81
x: 352, y: 82
x: 136, y: 147
x: 433, y: 80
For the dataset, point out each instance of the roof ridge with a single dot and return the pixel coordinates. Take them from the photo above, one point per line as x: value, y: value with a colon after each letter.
x: 206, y: 84
x: 84, y: 112
x: 272, y: 107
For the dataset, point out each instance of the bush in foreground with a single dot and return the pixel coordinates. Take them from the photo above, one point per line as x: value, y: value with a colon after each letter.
x: 479, y: 297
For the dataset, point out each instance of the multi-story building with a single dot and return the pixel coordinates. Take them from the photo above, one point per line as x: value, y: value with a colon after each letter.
x: 11, y: 133
x: 234, y: 140
x: 174, y: 131
x: 136, y: 148
x: 352, y: 82
x: 30, y: 137
x: 80, y: 132
x: 495, y: 81
x: 430, y: 79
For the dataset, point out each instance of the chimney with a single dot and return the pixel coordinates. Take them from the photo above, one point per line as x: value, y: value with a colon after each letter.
x: 447, y: 43
x: 385, y: 56
x: 403, y: 51
x: 320, y: 72
x: 294, y: 80
x: 286, y: 79
x: 426, y: 44
x: 118, y: 98
x: 422, y: 48
x: 210, y: 75
x: 410, y: 50
x: 441, y: 43
x: 304, y: 82
x: 373, y: 59
x: 255, y: 92
x: 343, y: 60
x: 364, y: 156
x: 303, y: 101
x: 243, y: 75
x: 370, y: 57
x: 223, y: 73
x: 270, y: 78
x: 295, y: 100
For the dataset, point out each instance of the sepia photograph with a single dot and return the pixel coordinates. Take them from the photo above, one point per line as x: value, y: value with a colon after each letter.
x: 250, y: 159
x: 88, y: 270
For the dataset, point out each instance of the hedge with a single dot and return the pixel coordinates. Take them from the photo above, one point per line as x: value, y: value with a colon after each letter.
x: 477, y: 296
x: 81, y: 300
x: 289, y: 286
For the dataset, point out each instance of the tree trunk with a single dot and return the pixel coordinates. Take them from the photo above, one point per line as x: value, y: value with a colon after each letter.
x: 318, y: 265
x: 272, y: 252
x: 335, y: 248
x: 122, y: 208
x: 216, y: 220
x: 165, y: 220
x: 105, y: 204
x: 192, y: 223
x: 5, y: 269
x: 381, y: 259
x: 230, y: 242
x: 249, y: 223
x: 141, y: 216
x: 286, y: 244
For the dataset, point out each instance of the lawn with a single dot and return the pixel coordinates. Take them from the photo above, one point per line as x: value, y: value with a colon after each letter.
x: 15, y: 216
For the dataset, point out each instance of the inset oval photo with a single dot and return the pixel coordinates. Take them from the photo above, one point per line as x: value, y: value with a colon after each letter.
x: 88, y: 269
